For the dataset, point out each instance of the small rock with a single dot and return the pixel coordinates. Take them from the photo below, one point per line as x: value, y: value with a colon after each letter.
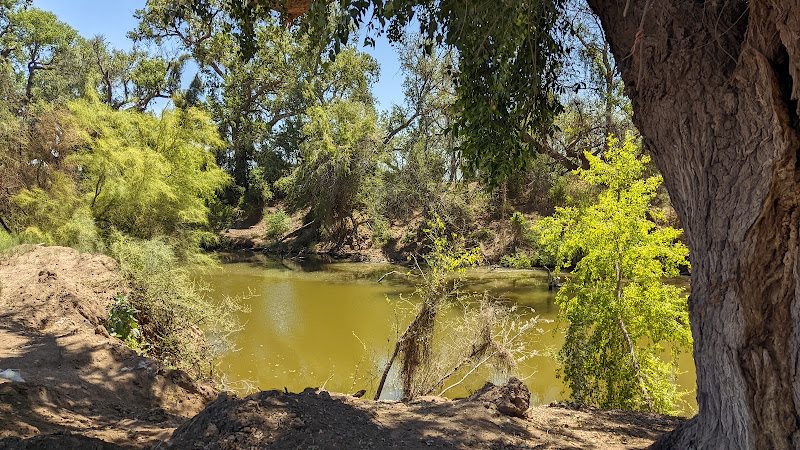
x: 360, y: 393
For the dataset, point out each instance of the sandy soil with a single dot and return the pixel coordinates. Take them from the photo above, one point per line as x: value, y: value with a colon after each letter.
x: 77, y: 378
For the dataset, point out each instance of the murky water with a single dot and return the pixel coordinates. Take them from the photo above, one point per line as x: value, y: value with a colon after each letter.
x: 333, y: 325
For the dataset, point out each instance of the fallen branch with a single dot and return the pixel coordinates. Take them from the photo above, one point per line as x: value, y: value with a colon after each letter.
x: 467, y: 374
x: 295, y: 232
x: 387, y: 274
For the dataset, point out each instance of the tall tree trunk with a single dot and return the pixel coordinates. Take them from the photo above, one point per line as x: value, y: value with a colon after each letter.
x: 714, y: 87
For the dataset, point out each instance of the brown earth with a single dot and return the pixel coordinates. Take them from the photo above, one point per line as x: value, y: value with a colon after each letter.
x: 317, y: 419
x: 495, y: 240
x: 84, y: 389
x: 77, y: 378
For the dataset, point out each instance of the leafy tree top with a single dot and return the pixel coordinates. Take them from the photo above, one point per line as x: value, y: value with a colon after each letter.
x: 509, y: 55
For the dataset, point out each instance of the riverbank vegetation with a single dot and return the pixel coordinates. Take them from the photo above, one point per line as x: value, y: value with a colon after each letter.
x: 106, y: 150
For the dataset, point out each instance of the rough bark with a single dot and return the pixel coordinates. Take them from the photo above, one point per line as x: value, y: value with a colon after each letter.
x: 714, y: 87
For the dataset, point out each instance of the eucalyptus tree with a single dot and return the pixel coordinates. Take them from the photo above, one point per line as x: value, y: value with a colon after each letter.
x: 422, y: 153
x: 132, y: 79
x: 339, y: 147
x: 247, y: 95
x: 44, y: 54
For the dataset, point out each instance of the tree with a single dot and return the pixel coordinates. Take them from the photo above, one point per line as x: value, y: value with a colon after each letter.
x: 248, y: 95
x: 338, y: 157
x: 719, y: 113
x: 132, y: 79
x: 620, y: 314
x: 143, y: 176
x: 422, y: 156
x: 43, y: 49
x: 714, y: 87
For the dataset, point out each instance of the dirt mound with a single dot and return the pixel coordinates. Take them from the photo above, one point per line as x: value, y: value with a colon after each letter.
x: 52, y: 304
x: 318, y: 419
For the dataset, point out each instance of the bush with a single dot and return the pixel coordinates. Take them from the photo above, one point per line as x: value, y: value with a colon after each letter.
x: 277, y: 224
x: 482, y: 235
x: 519, y: 260
x: 7, y: 241
x: 488, y: 332
x: 121, y: 320
x: 380, y: 230
x: 171, y: 308
x: 624, y: 326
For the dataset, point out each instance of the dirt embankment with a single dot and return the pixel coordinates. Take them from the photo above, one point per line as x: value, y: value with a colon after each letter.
x: 77, y: 378
x: 401, y: 240
x: 318, y: 419
x: 85, y: 390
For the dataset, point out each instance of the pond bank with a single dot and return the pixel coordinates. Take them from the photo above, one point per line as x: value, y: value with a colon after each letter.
x: 86, y: 389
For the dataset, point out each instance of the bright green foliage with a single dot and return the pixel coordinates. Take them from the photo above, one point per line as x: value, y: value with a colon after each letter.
x: 148, y: 176
x: 56, y: 216
x: 448, y: 255
x: 518, y: 260
x: 277, y: 224
x: 138, y: 174
x: 7, y: 241
x: 625, y: 326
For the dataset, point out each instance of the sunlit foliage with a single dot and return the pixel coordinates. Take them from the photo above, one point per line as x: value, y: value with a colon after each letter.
x: 141, y: 175
x: 625, y: 326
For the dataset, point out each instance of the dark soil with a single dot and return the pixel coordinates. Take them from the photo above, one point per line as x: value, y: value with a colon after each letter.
x: 320, y: 420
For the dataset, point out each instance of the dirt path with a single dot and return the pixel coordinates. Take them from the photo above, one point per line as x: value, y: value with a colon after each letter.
x: 77, y: 378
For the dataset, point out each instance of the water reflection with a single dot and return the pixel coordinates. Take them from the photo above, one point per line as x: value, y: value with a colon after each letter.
x: 315, y: 323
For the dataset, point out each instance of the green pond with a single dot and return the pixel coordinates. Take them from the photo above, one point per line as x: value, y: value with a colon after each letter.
x: 319, y: 324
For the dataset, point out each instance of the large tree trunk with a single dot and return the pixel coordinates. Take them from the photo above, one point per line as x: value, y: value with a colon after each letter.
x: 714, y: 88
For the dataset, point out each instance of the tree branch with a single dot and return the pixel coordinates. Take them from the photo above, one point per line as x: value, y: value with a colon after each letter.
x: 545, y: 148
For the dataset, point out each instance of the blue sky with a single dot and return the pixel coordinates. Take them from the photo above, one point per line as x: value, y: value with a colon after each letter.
x: 114, y: 18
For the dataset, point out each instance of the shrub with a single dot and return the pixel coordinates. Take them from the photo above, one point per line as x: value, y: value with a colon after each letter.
x: 380, y: 230
x: 121, y: 320
x: 171, y: 308
x: 519, y: 260
x: 483, y: 235
x: 277, y: 224
x: 624, y: 326
x: 7, y: 241
x: 488, y: 332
